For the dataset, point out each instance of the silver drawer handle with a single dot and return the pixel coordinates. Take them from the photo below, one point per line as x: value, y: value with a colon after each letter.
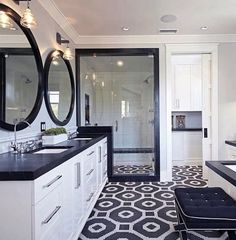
x: 90, y: 153
x: 90, y: 172
x: 77, y: 175
x: 105, y: 155
x: 53, y: 181
x: 105, y: 172
x: 90, y: 197
x: 105, y: 142
x: 47, y: 220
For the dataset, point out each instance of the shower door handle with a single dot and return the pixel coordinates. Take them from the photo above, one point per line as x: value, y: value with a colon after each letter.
x: 116, y: 127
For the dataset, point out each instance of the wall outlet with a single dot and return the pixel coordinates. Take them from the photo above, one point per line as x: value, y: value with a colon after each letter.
x: 43, y: 126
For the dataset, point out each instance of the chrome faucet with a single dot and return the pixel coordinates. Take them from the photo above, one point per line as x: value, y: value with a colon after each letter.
x: 14, y: 144
x: 72, y: 135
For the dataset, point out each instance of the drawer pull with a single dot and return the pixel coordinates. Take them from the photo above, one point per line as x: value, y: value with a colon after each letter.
x: 105, y: 172
x: 90, y: 153
x: 100, y: 154
x: 90, y: 172
x: 105, y: 155
x: 53, y: 181
x: 105, y: 142
x: 77, y: 175
x: 48, y: 219
x: 90, y: 197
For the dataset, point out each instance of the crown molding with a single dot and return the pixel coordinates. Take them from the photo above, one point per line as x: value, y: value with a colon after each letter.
x: 155, y: 39
x: 14, y: 41
x: 60, y: 19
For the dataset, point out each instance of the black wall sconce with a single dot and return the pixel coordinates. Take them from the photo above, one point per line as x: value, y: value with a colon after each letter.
x: 67, y: 53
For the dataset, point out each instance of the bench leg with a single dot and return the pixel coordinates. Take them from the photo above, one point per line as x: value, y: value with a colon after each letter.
x: 183, y: 235
x: 231, y: 235
x: 180, y: 227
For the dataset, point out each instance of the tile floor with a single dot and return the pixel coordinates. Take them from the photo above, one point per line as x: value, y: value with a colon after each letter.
x: 139, y: 211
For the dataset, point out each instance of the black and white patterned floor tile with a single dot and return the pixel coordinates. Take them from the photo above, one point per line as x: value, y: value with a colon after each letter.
x: 133, y: 169
x: 139, y: 211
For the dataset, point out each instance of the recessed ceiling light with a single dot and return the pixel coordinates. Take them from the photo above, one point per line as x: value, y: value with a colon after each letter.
x: 120, y: 63
x: 125, y: 28
x: 204, y: 28
x: 13, y: 28
x: 168, y: 18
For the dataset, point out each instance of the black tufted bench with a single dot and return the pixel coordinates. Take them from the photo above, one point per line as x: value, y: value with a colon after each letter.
x: 205, y: 209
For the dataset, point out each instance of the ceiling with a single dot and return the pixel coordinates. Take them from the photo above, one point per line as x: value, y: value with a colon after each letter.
x: 107, y: 17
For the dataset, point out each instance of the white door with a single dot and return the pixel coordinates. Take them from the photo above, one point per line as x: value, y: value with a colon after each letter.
x: 206, y: 111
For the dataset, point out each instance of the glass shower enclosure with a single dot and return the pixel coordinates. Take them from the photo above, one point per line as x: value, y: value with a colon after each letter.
x: 119, y: 90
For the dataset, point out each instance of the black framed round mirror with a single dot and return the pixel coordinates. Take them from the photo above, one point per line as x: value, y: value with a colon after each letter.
x: 21, y: 73
x: 59, y: 89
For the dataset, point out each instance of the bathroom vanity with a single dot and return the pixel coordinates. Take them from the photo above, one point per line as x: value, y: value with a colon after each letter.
x: 49, y: 194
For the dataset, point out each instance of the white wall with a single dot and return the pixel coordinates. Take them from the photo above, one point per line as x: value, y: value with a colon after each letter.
x: 45, y: 35
x: 227, y: 95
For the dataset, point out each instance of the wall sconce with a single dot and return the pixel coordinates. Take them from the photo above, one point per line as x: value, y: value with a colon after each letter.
x: 27, y: 20
x: 67, y: 53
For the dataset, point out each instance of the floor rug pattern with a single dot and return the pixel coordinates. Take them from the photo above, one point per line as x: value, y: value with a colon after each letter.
x: 140, y: 211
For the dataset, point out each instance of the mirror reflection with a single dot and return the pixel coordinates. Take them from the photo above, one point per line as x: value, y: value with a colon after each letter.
x: 18, y: 75
x: 59, y: 88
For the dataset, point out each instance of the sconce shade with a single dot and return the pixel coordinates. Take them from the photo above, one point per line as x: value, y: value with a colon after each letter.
x: 5, y: 21
x: 28, y: 19
x: 68, y: 54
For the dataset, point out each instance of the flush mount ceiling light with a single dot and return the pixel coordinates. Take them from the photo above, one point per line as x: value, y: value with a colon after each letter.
x: 67, y: 53
x: 125, y: 28
x: 120, y: 63
x: 168, y: 18
x: 204, y: 28
x: 27, y: 20
x: 5, y: 21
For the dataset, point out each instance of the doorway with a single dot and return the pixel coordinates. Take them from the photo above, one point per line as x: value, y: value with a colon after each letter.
x: 192, y: 104
x: 119, y: 88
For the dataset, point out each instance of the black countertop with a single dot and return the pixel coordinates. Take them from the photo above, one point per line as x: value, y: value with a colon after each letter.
x: 186, y: 129
x: 232, y: 143
x: 29, y: 166
x: 225, y: 172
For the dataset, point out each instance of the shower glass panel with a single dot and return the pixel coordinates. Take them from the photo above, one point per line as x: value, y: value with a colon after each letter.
x: 118, y: 91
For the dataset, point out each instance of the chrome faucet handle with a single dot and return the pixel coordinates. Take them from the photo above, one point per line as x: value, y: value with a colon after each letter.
x: 70, y: 135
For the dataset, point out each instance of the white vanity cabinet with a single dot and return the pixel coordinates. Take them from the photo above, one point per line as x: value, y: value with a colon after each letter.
x: 56, y: 205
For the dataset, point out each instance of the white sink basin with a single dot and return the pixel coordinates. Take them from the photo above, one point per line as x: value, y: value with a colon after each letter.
x: 52, y: 150
x: 82, y: 139
x: 232, y: 167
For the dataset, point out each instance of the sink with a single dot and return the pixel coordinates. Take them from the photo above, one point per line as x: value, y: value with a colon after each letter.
x: 82, y: 139
x: 232, y: 167
x: 52, y: 150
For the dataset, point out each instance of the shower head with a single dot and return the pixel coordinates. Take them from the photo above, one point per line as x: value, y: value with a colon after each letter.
x: 147, y: 79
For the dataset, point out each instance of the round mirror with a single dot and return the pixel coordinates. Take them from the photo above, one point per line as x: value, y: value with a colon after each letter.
x: 21, y: 73
x: 59, y: 88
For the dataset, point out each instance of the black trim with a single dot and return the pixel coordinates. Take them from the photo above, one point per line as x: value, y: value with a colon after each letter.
x: 127, y: 52
x: 33, y: 114
x: 46, y: 95
x: 187, y: 129
x: 133, y: 150
x: 2, y: 87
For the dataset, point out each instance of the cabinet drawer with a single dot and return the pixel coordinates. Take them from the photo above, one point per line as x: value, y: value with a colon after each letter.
x: 89, y: 157
x: 48, y: 216
x: 46, y: 183
x: 90, y: 190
